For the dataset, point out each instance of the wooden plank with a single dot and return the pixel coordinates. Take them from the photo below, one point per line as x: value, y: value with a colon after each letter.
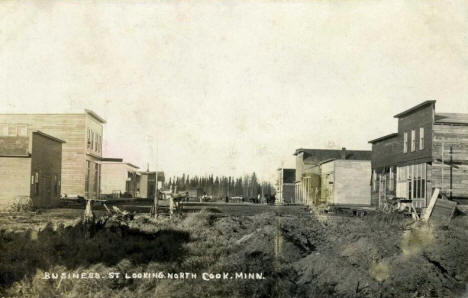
x: 443, y: 211
x: 428, y: 212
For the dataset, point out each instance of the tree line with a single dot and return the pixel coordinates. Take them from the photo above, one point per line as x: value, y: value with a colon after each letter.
x: 247, y: 186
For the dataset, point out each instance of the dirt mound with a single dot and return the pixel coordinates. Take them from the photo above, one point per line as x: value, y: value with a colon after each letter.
x: 297, y: 256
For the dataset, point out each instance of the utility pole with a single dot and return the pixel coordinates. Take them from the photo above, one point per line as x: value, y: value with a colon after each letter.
x: 442, y: 165
x: 451, y: 169
x: 156, y: 190
x: 452, y: 164
x: 154, y: 208
x: 156, y: 194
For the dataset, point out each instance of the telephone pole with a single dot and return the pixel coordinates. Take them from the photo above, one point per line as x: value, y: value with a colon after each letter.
x: 156, y: 190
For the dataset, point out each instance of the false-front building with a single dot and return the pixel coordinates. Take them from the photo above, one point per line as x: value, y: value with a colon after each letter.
x: 430, y: 150
x: 81, y: 152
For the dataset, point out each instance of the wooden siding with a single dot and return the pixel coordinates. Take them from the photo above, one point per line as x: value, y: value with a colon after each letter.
x: 15, y: 173
x: 96, y: 127
x: 327, y: 189
x: 309, y: 189
x: 346, y: 182
x: 352, y: 182
x: 114, y: 178
x: 299, y: 166
x: 72, y: 129
x: 14, y: 145
x: 143, y: 187
x: 46, y: 160
x: 424, y: 118
x: 386, y: 152
x: 457, y: 137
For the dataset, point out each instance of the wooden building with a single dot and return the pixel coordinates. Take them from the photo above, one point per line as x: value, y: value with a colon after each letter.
x: 345, y: 182
x: 119, y: 178
x: 30, y: 167
x: 308, y: 174
x: 81, y: 152
x: 285, y: 186
x: 195, y: 193
x: 146, y: 184
x: 430, y: 150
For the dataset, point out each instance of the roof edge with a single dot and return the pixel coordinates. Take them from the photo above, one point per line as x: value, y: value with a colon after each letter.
x: 48, y: 136
x: 132, y: 165
x: 116, y: 159
x: 383, y: 138
x: 300, y: 150
x: 15, y: 156
x: 95, y: 116
x: 416, y: 107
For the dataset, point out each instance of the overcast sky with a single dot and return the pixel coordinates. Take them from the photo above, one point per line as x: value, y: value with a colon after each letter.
x: 231, y: 87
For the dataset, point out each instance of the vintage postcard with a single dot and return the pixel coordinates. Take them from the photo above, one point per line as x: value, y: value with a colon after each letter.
x: 254, y: 148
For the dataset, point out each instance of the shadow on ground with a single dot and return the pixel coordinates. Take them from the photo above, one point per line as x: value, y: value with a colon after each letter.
x: 21, y: 254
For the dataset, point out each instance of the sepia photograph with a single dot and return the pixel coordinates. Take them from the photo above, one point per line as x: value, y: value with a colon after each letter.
x: 236, y: 148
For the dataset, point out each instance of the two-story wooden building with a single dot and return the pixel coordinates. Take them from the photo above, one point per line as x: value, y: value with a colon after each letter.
x: 430, y: 150
x: 30, y: 167
x: 81, y: 152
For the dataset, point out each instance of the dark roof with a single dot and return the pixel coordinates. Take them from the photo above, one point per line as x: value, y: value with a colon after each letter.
x: 151, y: 172
x: 324, y: 154
x: 132, y: 165
x: 118, y: 160
x: 286, y: 169
x: 16, y: 155
x: 413, y: 109
x: 95, y: 116
x: 48, y: 136
x: 383, y: 138
x: 112, y: 159
x: 452, y: 118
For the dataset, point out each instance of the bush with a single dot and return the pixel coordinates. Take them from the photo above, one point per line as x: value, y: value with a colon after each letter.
x: 22, y: 204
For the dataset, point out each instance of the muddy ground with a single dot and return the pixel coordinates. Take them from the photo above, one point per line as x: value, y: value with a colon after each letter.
x: 299, y: 254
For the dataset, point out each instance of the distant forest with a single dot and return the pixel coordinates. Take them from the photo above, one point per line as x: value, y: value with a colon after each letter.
x: 247, y: 186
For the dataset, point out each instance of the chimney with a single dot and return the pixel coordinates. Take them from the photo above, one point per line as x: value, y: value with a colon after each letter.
x: 343, y: 153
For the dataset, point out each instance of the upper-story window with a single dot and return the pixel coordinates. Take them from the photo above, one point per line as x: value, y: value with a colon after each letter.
x: 88, y: 142
x: 3, y: 130
x: 22, y: 130
x: 94, y: 141
x: 421, y: 138
x: 405, y: 142
x: 13, y: 130
x: 413, y: 140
